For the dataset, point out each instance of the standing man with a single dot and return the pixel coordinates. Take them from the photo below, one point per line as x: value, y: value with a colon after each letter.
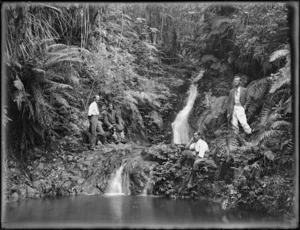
x: 236, y: 102
x: 93, y: 114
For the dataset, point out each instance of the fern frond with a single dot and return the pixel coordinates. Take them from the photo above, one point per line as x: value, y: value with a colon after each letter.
x: 202, y: 121
x: 69, y: 96
x: 280, y: 124
x: 60, y: 100
x: 40, y: 72
x: 18, y: 84
x: 54, y: 76
x: 59, y: 60
x: 232, y: 142
x: 279, y: 54
x: 39, y: 103
x: 280, y: 82
x: 128, y: 96
x: 278, y: 95
x: 55, y: 47
x: 288, y: 146
x: 269, y: 134
x: 209, y: 57
x: 74, y: 78
x: 18, y: 97
x: 257, y: 89
x: 252, y: 106
x: 265, y: 112
x: 56, y: 86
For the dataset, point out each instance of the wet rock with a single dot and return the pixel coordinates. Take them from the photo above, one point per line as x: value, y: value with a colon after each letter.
x: 22, y: 191
x: 75, y: 129
x: 74, y: 178
x: 30, y: 192
x: 14, y: 197
x: 80, y: 181
x: 40, y: 166
x: 212, y: 118
x: 157, y: 118
x: 90, y: 191
x: 66, y: 184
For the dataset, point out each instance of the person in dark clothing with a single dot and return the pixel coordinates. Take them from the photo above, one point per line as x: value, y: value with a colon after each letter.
x: 113, y: 120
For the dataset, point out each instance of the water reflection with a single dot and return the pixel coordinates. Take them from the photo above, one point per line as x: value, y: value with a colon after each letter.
x: 126, y: 211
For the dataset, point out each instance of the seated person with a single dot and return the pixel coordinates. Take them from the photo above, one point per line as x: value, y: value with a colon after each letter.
x: 197, y: 151
x: 192, y: 148
x: 114, y: 122
x: 101, y: 135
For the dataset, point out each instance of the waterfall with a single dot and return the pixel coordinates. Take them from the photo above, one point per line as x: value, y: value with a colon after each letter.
x: 181, y: 126
x: 115, y: 184
x: 147, y: 186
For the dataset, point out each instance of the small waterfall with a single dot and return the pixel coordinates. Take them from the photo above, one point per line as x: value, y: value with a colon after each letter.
x: 180, y: 126
x: 147, y: 188
x: 115, y: 185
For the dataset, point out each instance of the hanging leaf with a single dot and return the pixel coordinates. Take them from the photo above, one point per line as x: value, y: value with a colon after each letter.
x: 18, y: 84
x: 278, y: 54
x: 270, y: 155
x: 209, y: 57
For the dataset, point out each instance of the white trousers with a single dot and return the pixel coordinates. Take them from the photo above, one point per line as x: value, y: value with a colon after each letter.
x: 239, y: 115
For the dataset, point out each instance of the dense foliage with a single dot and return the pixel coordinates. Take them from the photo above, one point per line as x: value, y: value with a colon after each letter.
x: 57, y: 56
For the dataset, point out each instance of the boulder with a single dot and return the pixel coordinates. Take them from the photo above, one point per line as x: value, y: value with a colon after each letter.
x: 212, y: 118
x: 157, y: 118
x: 14, y: 197
x: 75, y: 129
x: 30, y: 192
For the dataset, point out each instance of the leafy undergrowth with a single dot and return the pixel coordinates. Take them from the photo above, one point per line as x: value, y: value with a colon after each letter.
x: 243, y: 180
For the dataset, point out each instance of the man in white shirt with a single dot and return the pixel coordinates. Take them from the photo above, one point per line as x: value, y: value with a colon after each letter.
x: 201, y: 152
x: 93, y: 114
x: 197, y: 151
x: 236, y: 102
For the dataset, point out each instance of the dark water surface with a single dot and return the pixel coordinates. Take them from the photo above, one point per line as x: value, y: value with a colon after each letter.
x: 126, y: 211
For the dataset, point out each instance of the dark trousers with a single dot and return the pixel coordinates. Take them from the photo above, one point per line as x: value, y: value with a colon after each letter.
x: 187, y: 157
x: 93, y: 126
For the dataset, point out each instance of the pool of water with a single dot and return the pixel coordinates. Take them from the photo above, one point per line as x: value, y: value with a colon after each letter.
x: 126, y: 212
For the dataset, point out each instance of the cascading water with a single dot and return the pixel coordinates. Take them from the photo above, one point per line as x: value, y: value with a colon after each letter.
x: 147, y: 188
x: 115, y: 185
x: 181, y: 126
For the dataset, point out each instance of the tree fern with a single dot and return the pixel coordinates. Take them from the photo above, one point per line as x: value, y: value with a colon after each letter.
x: 281, y: 124
x: 279, y: 54
x: 268, y: 135
x: 60, y: 99
x: 278, y: 95
x: 252, y: 106
x: 258, y: 89
x: 283, y: 76
x: 57, y: 85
